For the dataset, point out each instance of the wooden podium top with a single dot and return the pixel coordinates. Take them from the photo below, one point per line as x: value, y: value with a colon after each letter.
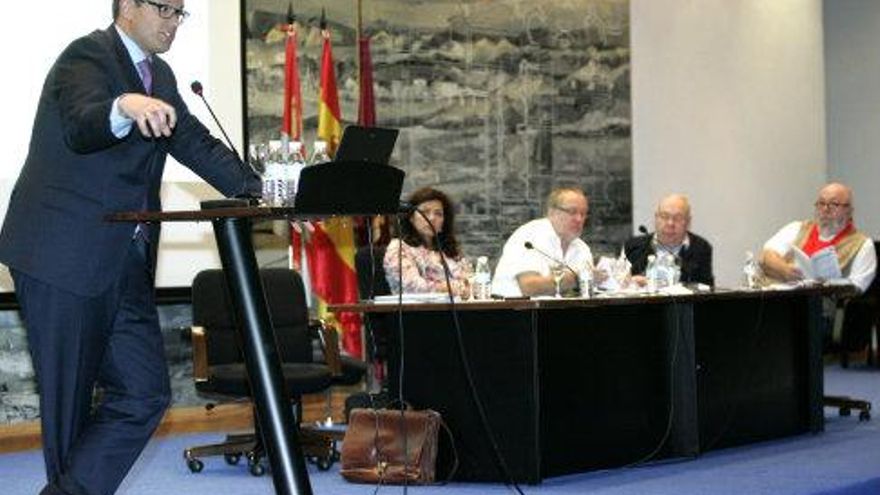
x: 261, y: 212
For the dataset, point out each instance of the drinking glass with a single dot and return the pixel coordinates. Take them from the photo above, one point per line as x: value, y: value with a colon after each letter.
x: 557, y: 270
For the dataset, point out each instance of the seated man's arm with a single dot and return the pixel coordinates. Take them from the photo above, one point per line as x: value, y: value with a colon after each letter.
x: 864, y: 266
x: 774, y: 259
x: 535, y: 284
x: 776, y: 266
x: 704, y: 273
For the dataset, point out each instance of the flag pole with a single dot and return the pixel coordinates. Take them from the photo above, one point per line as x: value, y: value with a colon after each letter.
x: 359, y: 33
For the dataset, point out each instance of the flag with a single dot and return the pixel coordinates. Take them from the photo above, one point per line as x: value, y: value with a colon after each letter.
x: 367, y: 118
x: 291, y: 123
x: 330, y: 249
x: 329, y: 116
x: 366, y: 101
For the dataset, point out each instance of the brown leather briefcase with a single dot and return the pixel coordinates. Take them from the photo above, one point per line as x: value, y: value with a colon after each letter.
x: 373, y: 447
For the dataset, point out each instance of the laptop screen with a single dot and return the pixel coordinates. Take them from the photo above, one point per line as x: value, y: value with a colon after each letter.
x: 366, y: 144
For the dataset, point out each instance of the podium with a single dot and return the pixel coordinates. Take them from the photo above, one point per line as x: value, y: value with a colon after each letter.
x: 329, y: 189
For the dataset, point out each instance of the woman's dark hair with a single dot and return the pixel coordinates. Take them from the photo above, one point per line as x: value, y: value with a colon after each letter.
x: 446, y: 237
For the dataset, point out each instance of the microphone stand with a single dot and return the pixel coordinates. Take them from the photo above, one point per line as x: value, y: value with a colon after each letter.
x: 197, y: 88
x: 529, y: 245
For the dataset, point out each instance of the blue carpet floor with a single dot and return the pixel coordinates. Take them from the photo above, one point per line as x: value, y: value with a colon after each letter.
x: 844, y: 460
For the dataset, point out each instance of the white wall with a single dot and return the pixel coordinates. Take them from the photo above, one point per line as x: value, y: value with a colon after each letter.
x: 207, y: 49
x: 852, y: 81
x: 728, y: 107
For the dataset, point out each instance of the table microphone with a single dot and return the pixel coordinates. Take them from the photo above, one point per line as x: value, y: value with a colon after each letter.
x: 197, y: 88
x: 529, y: 245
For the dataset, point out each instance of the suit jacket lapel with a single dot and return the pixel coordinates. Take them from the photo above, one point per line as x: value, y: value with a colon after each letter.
x: 132, y: 78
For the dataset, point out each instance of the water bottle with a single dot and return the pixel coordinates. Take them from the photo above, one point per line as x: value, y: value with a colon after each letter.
x: 671, y: 271
x: 482, y: 280
x: 651, y: 273
x: 751, y: 271
x: 273, y: 176
x: 585, y: 281
x: 293, y: 166
x: 667, y: 270
x: 320, y: 154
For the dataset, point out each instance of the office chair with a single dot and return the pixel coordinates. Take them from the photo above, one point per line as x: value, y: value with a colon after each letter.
x: 219, y: 370
x: 858, y: 328
x: 372, y: 282
x: 860, y: 321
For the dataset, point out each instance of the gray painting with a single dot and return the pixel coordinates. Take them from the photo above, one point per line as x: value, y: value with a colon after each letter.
x: 18, y: 388
x: 498, y: 101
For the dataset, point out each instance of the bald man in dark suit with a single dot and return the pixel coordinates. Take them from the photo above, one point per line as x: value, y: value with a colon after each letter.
x: 108, y: 116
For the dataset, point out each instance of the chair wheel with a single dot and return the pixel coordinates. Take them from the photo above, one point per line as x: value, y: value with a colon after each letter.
x: 324, y: 463
x: 195, y: 465
x: 254, y: 465
x: 864, y: 416
x: 232, y: 459
x: 257, y: 469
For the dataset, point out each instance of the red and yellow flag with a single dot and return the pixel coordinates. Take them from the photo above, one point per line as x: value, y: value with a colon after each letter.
x: 331, y: 248
x: 291, y: 123
x: 329, y: 116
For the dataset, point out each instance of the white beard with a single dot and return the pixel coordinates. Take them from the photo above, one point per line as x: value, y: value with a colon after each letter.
x: 831, y: 228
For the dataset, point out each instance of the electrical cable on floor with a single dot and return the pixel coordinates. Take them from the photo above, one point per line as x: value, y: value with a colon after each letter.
x: 671, y: 417
x: 484, y: 421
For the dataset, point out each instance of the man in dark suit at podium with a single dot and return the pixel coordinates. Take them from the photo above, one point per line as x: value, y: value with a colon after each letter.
x: 108, y: 116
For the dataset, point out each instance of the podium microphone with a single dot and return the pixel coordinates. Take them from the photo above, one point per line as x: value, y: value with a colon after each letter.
x: 643, y: 230
x: 529, y: 245
x: 196, y: 87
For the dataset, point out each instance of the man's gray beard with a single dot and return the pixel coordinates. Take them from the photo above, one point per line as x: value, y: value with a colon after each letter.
x: 831, y: 228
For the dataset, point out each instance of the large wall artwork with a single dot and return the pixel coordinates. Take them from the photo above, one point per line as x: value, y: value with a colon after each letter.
x: 497, y: 101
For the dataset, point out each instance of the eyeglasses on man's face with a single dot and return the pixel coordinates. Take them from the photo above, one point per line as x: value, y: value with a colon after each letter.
x: 833, y: 205
x: 571, y: 211
x: 671, y: 217
x: 167, y: 11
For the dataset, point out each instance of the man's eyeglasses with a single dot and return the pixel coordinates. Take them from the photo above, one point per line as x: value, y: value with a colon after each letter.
x: 666, y: 217
x: 834, y: 205
x: 167, y: 11
x: 571, y: 211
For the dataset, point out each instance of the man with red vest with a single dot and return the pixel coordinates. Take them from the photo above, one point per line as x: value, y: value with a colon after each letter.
x: 831, y: 226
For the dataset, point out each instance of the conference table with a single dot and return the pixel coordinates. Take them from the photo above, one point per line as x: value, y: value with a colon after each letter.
x: 564, y: 386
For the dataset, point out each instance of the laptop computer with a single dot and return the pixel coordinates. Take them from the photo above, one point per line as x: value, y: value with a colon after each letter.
x: 366, y: 144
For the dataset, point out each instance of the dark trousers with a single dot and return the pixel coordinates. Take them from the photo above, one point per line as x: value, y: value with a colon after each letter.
x: 113, y: 341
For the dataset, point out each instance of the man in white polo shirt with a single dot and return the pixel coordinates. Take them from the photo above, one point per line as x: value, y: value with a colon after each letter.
x: 525, y: 267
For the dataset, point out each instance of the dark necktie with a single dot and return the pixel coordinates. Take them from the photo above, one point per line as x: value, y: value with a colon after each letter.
x: 146, y: 72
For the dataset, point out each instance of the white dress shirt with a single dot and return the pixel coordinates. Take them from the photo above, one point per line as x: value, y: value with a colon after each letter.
x: 516, y: 259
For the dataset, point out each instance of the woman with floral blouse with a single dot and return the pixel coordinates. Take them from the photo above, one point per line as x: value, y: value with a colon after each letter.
x: 416, y: 253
